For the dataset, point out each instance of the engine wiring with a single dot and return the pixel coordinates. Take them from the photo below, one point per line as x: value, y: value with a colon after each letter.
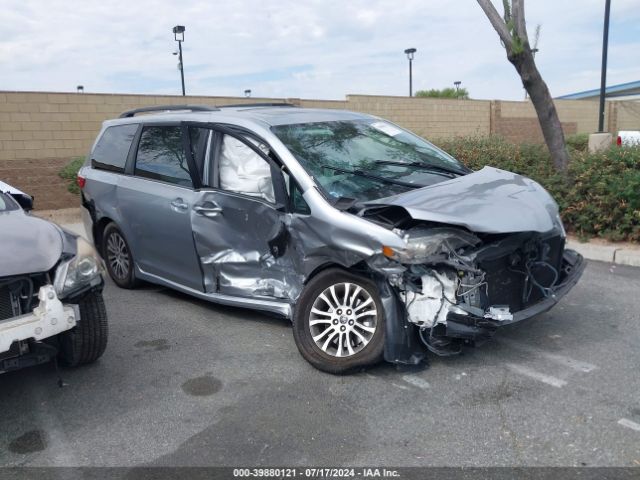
x: 546, y: 291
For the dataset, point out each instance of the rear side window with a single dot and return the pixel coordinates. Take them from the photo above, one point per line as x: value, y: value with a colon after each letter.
x: 161, y: 156
x: 113, y: 147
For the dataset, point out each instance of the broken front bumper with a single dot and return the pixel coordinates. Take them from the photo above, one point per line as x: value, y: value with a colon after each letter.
x: 473, y: 327
x: 402, y: 343
x: 48, y: 319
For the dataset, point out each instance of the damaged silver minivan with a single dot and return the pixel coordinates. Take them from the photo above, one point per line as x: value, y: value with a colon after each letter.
x: 374, y: 242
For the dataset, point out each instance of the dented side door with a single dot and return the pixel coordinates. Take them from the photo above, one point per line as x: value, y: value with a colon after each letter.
x: 241, y: 239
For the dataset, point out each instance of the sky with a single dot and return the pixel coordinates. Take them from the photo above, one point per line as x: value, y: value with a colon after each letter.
x: 305, y: 48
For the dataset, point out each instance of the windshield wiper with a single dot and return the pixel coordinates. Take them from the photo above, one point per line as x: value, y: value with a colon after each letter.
x: 423, y: 166
x: 360, y: 173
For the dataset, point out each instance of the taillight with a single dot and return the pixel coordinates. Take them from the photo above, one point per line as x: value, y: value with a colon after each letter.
x: 81, y: 181
x: 619, y: 141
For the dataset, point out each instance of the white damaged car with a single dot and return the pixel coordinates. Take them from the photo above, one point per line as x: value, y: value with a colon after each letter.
x: 51, y: 304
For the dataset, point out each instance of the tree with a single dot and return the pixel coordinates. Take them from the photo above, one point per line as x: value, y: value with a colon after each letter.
x: 512, y: 30
x: 444, y: 93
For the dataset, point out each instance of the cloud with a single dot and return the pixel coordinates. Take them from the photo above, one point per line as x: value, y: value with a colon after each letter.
x: 310, y: 49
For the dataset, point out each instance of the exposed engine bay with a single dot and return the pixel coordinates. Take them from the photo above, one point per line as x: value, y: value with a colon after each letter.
x: 457, y: 286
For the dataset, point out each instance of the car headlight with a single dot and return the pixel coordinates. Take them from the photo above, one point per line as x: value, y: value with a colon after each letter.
x: 80, y: 270
x: 423, y: 243
x: 560, y: 225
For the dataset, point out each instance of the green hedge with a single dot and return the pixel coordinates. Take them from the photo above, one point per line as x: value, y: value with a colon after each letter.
x: 70, y: 171
x: 600, y: 196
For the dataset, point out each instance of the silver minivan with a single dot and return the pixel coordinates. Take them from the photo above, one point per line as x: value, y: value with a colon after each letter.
x: 374, y: 242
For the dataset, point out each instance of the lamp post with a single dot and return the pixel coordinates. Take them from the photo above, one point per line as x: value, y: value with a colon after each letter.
x: 410, y: 52
x: 178, y: 35
x: 603, y: 74
x: 457, y: 84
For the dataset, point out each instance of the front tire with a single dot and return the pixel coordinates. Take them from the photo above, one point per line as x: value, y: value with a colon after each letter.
x: 118, y: 257
x: 87, y: 341
x: 339, y: 322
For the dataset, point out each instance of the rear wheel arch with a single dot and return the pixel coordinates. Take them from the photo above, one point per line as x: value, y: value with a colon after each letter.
x: 120, y: 261
x: 98, y: 231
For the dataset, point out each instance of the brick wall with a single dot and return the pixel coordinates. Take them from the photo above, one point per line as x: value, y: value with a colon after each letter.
x: 628, y: 115
x: 429, y: 117
x: 518, y: 122
x: 40, y: 132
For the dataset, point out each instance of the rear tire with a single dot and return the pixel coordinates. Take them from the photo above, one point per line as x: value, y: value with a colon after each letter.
x: 344, y: 313
x: 117, y: 255
x: 87, y: 341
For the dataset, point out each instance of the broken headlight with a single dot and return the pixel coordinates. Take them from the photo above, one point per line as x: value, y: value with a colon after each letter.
x: 422, y: 244
x: 85, y: 266
x: 560, y: 226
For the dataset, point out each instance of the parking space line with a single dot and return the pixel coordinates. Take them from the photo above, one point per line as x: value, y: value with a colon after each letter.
x: 554, y: 357
x: 416, y: 381
x: 625, y: 422
x: 401, y: 387
x: 541, y: 377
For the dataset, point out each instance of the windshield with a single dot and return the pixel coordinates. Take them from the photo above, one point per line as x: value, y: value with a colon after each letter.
x: 366, y: 159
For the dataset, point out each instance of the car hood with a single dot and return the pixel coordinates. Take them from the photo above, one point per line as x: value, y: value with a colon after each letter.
x: 487, y: 201
x: 27, y: 244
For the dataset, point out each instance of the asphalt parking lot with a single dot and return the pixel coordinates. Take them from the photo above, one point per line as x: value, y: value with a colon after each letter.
x: 184, y: 382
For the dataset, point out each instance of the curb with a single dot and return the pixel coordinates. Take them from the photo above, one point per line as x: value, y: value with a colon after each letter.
x: 61, y: 216
x: 599, y: 250
x: 616, y: 253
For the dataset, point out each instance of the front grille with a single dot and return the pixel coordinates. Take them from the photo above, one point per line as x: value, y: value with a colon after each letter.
x: 507, y: 278
x: 7, y: 303
x: 19, y: 295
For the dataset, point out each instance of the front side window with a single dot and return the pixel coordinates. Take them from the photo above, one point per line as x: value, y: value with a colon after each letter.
x: 366, y: 159
x: 113, y: 147
x: 161, y: 156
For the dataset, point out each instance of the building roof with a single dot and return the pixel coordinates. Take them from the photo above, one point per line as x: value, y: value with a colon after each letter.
x: 620, y: 90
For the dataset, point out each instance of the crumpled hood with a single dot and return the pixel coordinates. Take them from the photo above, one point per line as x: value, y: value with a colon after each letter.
x: 27, y: 244
x: 487, y: 201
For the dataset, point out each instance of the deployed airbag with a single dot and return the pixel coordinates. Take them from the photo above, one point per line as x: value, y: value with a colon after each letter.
x: 242, y: 170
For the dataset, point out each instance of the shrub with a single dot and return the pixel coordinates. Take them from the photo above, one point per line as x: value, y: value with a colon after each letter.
x: 448, y: 92
x: 599, y: 197
x: 579, y: 141
x: 70, y: 171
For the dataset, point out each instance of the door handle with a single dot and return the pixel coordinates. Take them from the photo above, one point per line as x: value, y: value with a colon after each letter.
x: 210, y: 210
x: 179, y: 205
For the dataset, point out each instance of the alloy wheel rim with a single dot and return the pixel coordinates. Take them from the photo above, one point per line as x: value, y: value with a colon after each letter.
x: 118, y: 256
x: 343, y: 319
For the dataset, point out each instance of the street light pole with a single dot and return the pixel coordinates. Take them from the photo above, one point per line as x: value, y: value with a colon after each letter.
x: 410, y: 52
x: 603, y: 75
x: 178, y: 35
x: 457, y: 84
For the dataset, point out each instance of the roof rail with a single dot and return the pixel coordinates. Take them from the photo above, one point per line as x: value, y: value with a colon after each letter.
x: 251, y: 105
x: 167, y: 108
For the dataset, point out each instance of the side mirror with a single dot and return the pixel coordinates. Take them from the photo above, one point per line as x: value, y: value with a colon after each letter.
x: 24, y: 200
